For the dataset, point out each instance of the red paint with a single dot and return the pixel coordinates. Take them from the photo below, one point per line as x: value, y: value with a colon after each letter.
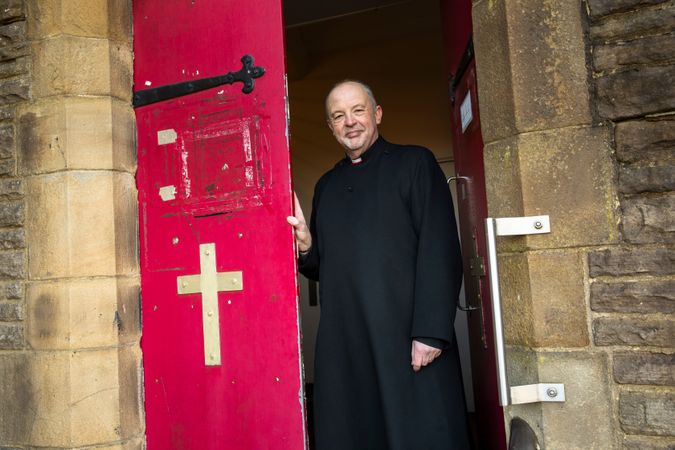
x: 472, y: 205
x: 230, y: 167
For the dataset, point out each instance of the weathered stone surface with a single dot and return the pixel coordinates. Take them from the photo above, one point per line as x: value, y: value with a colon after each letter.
x: 636, y: 92
x: 649, y: 219
x: 11, y: 311
x: 631, y: 261
x: 11, y: 189
x: 7, y: 167
x: 12, y: 264
x: 18, y: 397
x: 639, y: 179
x: 125, y: 208
x: 637, y: 23
x: 128, y: 311
x: 644, y: 368
x: 643, y: 140
x: 11, y: 290
x: 516, y: 299
x: 14, y: 67
x: 650, y: 296
x: 647, y: 443
x: 13, y: 41
x: 12, y: 213
x: 12, y: 239
x: 604, y: 7
x: 11, y: 11
x: 130, y: 374
x: 625, y: 54
x: 587, y: 395
x: 647, y: 412
x: 14, y: 90
x: 6, y: 141
x: 624, y: 331
x: 11, y: 336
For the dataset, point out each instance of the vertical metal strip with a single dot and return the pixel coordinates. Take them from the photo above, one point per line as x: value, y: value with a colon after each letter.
x: 210, y: 319
x: 502, y: 381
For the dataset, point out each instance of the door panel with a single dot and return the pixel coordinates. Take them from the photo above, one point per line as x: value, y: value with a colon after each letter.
x: 221, y: 347
x: 472, y: 205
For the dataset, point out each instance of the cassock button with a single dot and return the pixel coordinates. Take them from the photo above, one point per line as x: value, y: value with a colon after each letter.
x: 350, y: 189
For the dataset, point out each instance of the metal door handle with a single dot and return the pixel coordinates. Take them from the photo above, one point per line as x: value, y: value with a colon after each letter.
x: 514, y: 226
x: 457, y: 178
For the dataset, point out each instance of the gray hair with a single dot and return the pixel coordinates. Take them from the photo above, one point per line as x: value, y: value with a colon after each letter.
x: 363, y: 85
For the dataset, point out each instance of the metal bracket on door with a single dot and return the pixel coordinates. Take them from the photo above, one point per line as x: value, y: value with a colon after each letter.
x: 531, y: 393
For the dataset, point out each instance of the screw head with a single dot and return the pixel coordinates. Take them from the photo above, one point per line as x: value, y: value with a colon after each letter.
x: 552, y: 392
x: 538, y: 225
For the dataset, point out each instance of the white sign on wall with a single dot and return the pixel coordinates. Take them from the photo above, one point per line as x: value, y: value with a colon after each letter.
x: 466, y: 112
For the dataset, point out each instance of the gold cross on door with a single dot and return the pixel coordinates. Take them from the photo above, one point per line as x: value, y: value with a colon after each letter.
x: 209, y: 282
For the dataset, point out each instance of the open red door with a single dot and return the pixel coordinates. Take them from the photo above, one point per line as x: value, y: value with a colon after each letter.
x: 221, y: 347
x: 488, y: 421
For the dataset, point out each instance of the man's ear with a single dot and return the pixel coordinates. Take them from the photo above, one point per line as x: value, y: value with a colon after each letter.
x: 378, y: 114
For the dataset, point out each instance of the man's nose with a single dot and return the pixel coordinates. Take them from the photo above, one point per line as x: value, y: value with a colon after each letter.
x: 349, y: 120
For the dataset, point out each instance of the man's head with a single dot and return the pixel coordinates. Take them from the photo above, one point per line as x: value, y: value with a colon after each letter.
x: 353, y: 116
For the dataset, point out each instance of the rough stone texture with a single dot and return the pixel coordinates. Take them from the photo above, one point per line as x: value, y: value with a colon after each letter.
x: 634, y: 24
x: 6, y: 141
x: 13, y: 41
x: 12, y: 213
x: 12, y: 10
x: 634, y: 331
x: 640, y: 179
x: 621, y: 55
x: 14, y: 90
x: 11, y: 336
x: 630, y: 261
x: 650, y: 296
x: 644, y: 368
x: 604, y: 7
x: 647, y: 412
x: 11, y: 189
x: 632, y: 92
x: 11, y: 311
x: 649, y: 219
x: 11, y: 290
x: 546, y: 166
x: 7, y: 168
x: 645, y: 140
x: 587, y: 395
x: 12, y: 239
x: 12, y: 264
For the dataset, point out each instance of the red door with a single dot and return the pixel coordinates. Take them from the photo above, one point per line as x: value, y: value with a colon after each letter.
x: 472, y: 205
x: 221, y: 347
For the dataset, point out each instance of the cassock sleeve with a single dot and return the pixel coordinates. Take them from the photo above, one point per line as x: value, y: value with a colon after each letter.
x: 308, y: 263
x: 438, y: 275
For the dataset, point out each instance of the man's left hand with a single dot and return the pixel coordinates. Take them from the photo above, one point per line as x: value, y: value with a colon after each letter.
x: 423, y: 355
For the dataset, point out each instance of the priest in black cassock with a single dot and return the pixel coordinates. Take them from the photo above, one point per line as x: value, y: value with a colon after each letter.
x: 383, y: 243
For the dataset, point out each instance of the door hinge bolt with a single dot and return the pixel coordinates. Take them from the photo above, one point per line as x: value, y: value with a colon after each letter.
x: 552, y: 392
x: 538, y: 225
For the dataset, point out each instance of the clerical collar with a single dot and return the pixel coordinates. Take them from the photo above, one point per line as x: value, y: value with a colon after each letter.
x: 365, y: 156
x: 358, y: 160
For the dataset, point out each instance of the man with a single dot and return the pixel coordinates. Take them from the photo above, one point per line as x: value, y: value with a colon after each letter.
x: 383, y: 243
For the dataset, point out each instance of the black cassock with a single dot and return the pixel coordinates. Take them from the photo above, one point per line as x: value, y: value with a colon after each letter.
x: 386, y: 252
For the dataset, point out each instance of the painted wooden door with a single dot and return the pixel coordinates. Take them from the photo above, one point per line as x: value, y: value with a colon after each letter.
x: 221, y: 344
x: 488, y: 423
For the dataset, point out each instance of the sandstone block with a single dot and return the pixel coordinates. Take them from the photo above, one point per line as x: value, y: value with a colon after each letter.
x: 13, y: 41
x: 11, y: 11
x: 11, y: 189
x: 623, y: 54
x: 587, y: 395
x: 73, y: 314
x: 12, y: 239
x: 645, y: 443
x: 647, y: 412
x: 12, y: 213
x: 11, y: 336
x: 639, y: 332
x: 636, y: 92
x: 644, y: 368
x: 642, y: 140
x: 18, y: 397
x: 14, y: 67
x: 63, y: 240
x: 630, y: 261
x: 11, y: 311
x: 128, y: 311
x: 125, y: 207
x: 517, y: 313
x: 7, y: 141
x: 7, y: 167
x: 604, y: 7
x: 11, y: 290
x: 130, y: 374
x: 77, y: 133
x: 636, y: 23
x: 14, y: 90
x: 639, y: 179
x: 565, y: 173
x: 68, y: 65
x: 649, y: 219
x: 504, y: 192
x: 650, y: 296
x: 12, y: 264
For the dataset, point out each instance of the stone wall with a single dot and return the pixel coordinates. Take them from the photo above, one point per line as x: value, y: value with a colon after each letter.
x: 70, y: 371
x: 632, y: 283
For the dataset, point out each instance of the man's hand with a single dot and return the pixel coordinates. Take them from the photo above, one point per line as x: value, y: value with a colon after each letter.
x: 423, y: 355
x: 302, y: 235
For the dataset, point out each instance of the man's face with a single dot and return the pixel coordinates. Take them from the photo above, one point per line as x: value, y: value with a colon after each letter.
x: 353, y: 118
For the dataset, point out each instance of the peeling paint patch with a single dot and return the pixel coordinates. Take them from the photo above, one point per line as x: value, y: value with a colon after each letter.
x: 166, y: 136
x: 167, y: 193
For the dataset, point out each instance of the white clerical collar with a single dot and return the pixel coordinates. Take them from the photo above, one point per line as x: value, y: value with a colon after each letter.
x: 357, y: 160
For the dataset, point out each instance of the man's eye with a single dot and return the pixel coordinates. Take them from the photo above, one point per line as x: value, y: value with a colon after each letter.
x: 359, y: 111
x: 338, y: 117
